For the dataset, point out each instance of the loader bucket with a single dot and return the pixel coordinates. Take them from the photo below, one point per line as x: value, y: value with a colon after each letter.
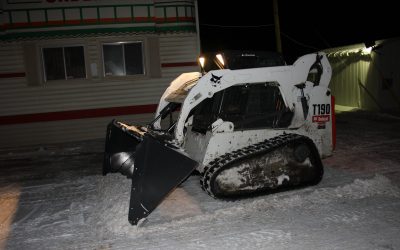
x: 155, y: 165
x: 159, y: 168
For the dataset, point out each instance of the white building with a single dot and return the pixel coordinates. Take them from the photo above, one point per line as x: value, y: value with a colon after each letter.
x: 367, y: 78
x: 68, y: 67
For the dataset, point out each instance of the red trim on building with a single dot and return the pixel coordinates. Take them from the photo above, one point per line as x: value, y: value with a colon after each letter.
x: 187, y: 19
x: 145, y: 19
x: 77, y: 114
x: 179, y: 64
x: 124, y: 19
x: 55, y: 22
x: 108, y: 20
x: 34, y: 24
x: 90, y: 21
x: 12, y: 75
x: 72, y: 22
x: 173, y: 19
x: 164, y: 65
x: 166, y: 19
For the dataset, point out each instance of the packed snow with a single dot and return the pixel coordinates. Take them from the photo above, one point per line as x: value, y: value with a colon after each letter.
x: 54, y: 197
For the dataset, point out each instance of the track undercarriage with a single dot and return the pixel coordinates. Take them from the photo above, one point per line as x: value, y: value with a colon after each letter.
x: 284, y: 161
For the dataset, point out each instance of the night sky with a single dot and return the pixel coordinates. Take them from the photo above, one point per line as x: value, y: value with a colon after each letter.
x: 306, y: 26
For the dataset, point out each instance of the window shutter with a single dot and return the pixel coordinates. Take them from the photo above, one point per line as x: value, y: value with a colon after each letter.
x: 153, y: 49
x: 32, y: 65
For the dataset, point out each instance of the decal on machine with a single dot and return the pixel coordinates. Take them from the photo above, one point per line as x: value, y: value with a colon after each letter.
x: 215, y: 79
x: 321, y: 114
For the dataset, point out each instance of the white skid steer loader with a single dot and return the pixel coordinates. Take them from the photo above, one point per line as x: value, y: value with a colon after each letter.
x: 245, y: 131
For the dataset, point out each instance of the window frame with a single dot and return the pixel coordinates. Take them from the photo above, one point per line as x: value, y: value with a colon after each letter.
x: 63, y: 46
x: 122, y: 43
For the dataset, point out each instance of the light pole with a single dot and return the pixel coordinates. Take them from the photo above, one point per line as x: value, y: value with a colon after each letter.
x: 277, y: 26
x: 196, y: 7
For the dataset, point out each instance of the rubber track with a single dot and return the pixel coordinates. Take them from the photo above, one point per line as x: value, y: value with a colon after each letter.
x: 219, y: 164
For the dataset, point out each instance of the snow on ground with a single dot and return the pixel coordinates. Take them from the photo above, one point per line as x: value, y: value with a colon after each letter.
x: 54, y: 197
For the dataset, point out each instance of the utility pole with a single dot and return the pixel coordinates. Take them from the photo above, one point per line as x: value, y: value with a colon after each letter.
x: 277, y: 26
x: 196, y: 8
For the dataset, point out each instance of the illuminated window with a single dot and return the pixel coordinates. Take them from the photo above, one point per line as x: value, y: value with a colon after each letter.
x: 64, y: 63
x: 122, y: 59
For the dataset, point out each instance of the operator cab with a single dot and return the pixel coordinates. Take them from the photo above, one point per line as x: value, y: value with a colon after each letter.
x: 261, y: 105
x: 247, y: 106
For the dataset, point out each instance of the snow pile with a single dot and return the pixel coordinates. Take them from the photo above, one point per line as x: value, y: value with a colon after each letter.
x: 379, y: 185
x: 359, y: 189
x: 111, y: 213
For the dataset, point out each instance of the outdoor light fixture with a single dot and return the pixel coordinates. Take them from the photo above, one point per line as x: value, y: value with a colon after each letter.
x: 367, y: 50
x: 369, y: 44
x: 202, y: 62
x: 220, y: 61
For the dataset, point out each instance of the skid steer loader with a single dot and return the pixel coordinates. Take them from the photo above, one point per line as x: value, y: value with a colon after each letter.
x: 245, y: 130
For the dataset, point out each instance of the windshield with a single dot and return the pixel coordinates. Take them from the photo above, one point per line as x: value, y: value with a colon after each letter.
x: 246, y: 106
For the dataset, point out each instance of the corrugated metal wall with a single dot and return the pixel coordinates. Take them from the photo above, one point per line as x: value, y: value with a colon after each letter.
x: 344, y: 82
x: 359, y: 77
x: 18, y: 98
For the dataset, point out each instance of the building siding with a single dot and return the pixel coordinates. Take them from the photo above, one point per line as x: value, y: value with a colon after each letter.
x: 178, y: 53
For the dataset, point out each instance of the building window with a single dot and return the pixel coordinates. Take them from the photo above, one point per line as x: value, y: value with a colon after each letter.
x: 64, y: 63
x: 122, y: 59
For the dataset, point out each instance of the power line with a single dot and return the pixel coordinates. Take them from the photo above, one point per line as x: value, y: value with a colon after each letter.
x: 260, y: 26
x: 327, y: 44
x: 299, y: 43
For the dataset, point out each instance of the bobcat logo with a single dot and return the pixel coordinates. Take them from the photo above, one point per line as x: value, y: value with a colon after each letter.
x: 215, y: 79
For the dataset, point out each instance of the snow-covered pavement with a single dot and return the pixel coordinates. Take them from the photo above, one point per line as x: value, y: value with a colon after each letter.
x: 54, y: 197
